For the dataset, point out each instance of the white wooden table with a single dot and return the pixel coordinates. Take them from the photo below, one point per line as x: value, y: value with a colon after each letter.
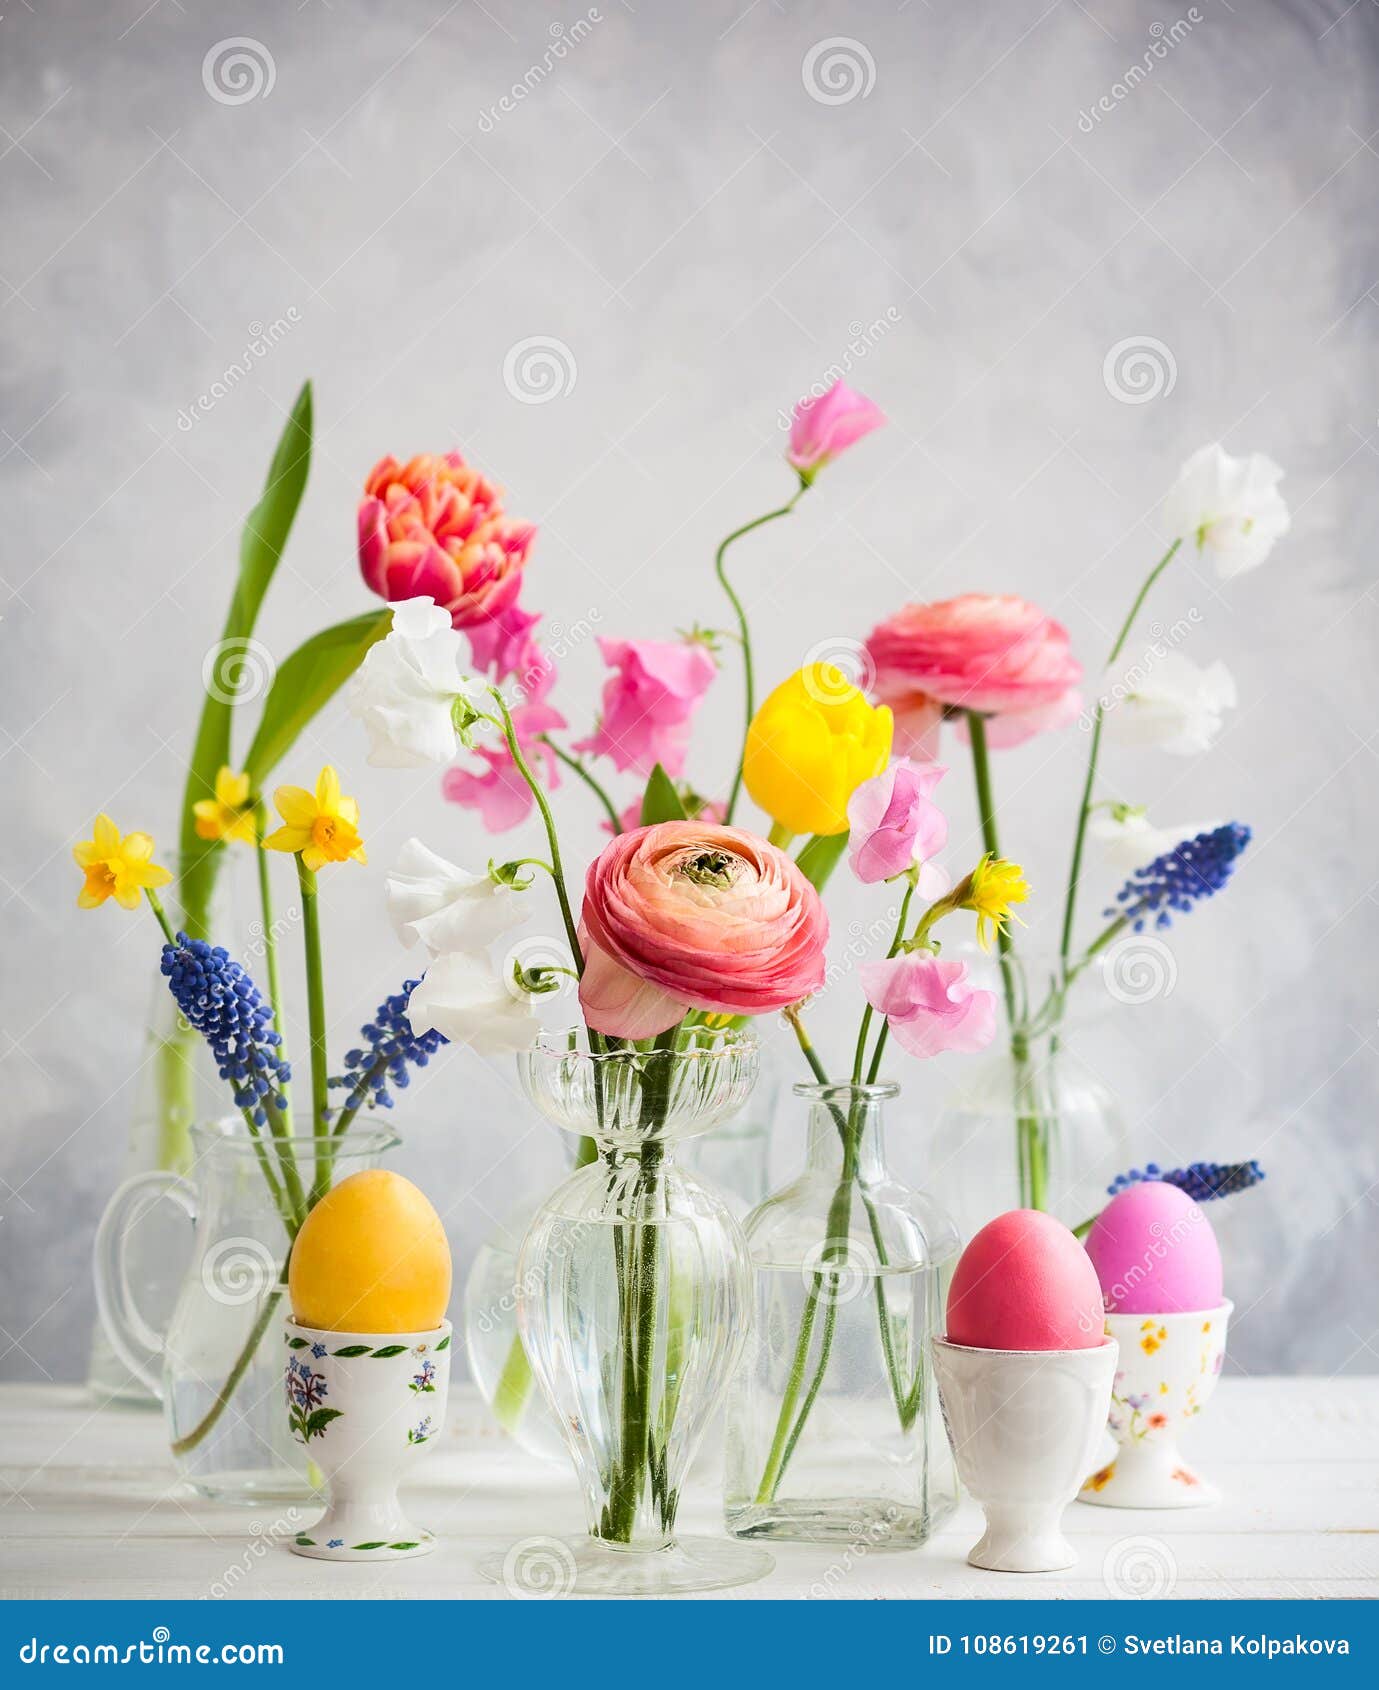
x: 89, y: 1508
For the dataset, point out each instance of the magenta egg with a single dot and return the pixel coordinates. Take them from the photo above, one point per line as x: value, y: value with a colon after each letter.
x: 1155, y: 1253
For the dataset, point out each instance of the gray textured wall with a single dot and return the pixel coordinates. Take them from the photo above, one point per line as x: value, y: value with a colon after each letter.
x: 704, y: 237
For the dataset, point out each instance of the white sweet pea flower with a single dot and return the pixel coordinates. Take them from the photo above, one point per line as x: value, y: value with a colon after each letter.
x: 446, y: 907
x: 405, y: 690
x: 465, y: 998
x: 1230, y: 506
x: 1173, y: 705
x: 1129, y: 839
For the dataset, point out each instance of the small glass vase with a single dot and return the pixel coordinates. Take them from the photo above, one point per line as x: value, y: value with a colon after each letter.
x: 634, y: 1294
x: 834, y: 1428
x: 217, y: 1368
x: 1029, y: 1124
x: 733, y: 1159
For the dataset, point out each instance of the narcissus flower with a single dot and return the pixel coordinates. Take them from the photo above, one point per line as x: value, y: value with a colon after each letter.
x: 322, y: 827
x: 229, y: 816
x: 115, y: 867
x: 991, y: 888
x: 810, y: 746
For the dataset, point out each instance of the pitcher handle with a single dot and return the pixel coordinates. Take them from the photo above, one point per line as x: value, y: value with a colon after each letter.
x: 138, y: 1346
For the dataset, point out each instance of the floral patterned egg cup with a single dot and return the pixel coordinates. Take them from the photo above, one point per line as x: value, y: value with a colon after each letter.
x: 364, y: 1404
x: 1169, y: 1365
x: 1023, y: 1425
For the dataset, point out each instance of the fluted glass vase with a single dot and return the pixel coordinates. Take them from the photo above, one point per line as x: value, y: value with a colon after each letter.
x: 634, y: 1297
x: 834, y: 1427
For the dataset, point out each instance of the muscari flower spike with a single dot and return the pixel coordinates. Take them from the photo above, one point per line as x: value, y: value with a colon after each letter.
x: 1204, y: 1182
x: 1173, y: 882
x: 223, y: 1004
x: 392, y: 1050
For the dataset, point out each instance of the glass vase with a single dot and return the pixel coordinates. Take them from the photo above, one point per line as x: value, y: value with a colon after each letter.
x: 834, y: 1427
x: 634, y: 1294
x: 217, y: 1368
x: 1029, y: 1124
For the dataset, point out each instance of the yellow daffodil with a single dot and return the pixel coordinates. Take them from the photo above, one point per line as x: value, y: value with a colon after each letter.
x: 993, y: 886
x: 810, y: 746
x: 117, y: 868
x: 322, y: 827
x: 230, y: 814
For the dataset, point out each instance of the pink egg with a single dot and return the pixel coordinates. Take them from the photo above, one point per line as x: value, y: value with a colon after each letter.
x: 1024, y: 1283
x: 1155, y: 1253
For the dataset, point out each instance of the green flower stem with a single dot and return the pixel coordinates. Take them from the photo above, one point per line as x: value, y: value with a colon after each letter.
x: 548, y: 821
x: 897, y: 940
x: 1089, y: 784
x: 265, y: 1315
x: 270, y: 943
x: 316, y: 1012
x: 570, y: 761
x: 781, y: 836
x: 744, y: 632
x: 155, y: 903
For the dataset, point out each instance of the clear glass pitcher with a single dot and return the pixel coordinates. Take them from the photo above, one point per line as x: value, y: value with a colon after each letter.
x: 215, y: 1368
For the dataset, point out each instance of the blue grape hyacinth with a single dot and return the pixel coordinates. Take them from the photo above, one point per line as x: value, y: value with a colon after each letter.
x: 218, y: 998
x: 1204, y: 1182
x: 390, y: 1051
x: 1175, y: 881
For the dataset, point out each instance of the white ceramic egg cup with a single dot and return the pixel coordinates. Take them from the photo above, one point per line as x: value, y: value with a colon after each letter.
x: 1023, y: 1425
x: 364, y: 1405
x: 1169, y: 1365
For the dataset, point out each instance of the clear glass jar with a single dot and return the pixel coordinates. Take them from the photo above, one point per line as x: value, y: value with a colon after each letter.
x: 217, y: 1368
x: 634, y: 1295
x: 834, y: 1428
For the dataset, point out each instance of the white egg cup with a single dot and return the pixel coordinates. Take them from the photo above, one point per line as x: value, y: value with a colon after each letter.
x: 364, y: 1405
x: 1023, y: 1425
x: 1169, y: 1365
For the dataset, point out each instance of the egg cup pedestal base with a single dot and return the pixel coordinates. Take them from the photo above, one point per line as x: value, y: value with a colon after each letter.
x: 587, y: 1566
x: 354, y: 1528
x: 1022, y: 1540
x: 1169, y: 1365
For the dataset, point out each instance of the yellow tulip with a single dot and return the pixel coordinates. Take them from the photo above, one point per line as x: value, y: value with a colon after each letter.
x: 810, y: 746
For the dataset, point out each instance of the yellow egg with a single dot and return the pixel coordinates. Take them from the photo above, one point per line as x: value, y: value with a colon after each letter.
x: 372, y: 1256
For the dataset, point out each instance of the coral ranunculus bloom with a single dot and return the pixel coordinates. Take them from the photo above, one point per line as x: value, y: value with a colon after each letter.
x: 435, y: 527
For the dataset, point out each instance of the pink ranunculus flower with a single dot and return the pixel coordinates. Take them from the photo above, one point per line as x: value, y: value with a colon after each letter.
x: 496, y: 789
x: 648, y: 701
x: 436, y: 527
x: 827, y: 425
x: 995, y: 654
x: 689, y: 915
x: 894, y: 824
x: 630, y: 816
x: 928, y: 1003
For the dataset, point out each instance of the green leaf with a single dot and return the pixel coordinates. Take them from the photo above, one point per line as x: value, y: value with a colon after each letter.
x: 444, y: 1343
x: 308, y: 1542
x: 379, y: 1545
x: 352, y: 1350
x: 296, y: 1343
x: 820, y: 856
x: 660, y: 801
x: 261, y: 545
x: 389, y: 1350
x: 305, y: 684
x: 404, y: 1545
x: 319, y: 1419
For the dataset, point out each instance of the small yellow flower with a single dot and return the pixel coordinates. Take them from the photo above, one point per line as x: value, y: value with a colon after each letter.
x: 230, y: 814
x: 322, y: 827
x: 995, y: 886
x: 116, y: 868
x: 810, y: 746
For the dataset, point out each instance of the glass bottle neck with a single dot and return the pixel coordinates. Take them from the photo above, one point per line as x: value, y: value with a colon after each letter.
x: 846, y: 1136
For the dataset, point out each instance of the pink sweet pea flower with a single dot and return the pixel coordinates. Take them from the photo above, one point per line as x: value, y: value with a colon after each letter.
x: 928, y: 1004
x: 828, y: 425
x: 894, y: 825
x: 648, y: 702
x: 502, y: 642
